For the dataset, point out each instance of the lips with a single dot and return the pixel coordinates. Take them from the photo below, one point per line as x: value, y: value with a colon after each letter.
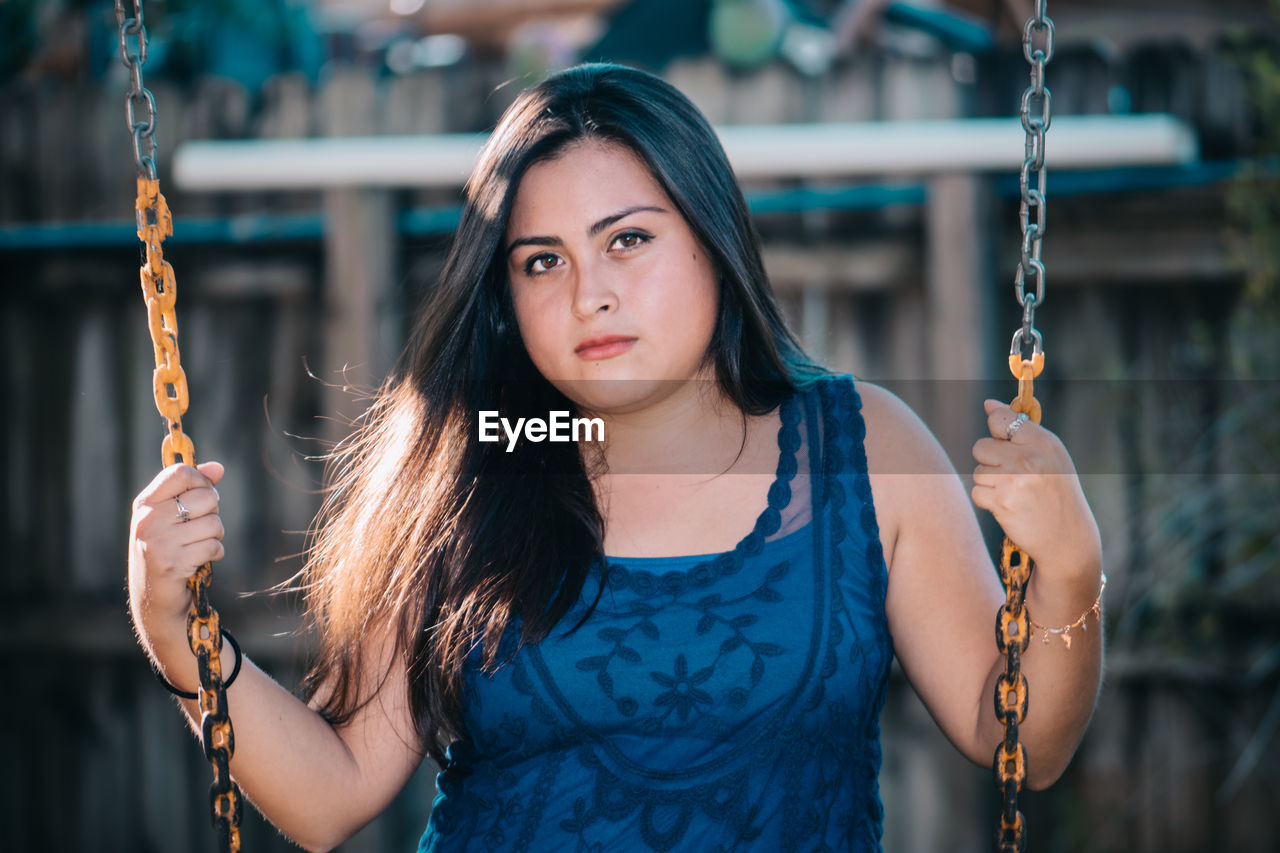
x: 605, y: 346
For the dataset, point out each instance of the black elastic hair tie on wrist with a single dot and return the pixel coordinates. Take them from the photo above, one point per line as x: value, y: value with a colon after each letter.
x: 235, y: 670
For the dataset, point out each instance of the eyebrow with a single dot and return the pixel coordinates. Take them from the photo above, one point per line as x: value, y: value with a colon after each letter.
x: 594, y: 230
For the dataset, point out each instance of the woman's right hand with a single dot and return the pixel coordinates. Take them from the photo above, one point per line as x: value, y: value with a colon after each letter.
x: 175, y: 530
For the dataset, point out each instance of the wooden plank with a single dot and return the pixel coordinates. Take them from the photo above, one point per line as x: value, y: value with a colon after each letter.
x: 55, y: 155
x: 216, y: 108
x: 161, y: 738
x: 171, y: 124
x: 913, y: 89
x: 876, y: 266
x: 263, y: 325
x: 420, y: 103
x: 771, y: 94
x: 95, y: 470
x: 704, y: 82
x: 1134, y: 253
x: 1188, y: 744
x: 286, y: 113
x: 1082, y: 78
x: 848, y: 350
x: 18, y: 143
x: 815, y: 323
x: 359, y: 341
x: 908, y: 353
x: 869, y: 333
x: 1201, y: 24
x: 849, y: 91
x: 19, y: 436
x: 959, y: 338
x: 956, y: 274
x: 416, y: 104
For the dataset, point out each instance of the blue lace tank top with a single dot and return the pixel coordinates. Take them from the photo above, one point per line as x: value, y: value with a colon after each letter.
x: 708, y: 703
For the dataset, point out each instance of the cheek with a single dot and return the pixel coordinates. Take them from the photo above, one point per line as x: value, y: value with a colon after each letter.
x: 536, y: 330
x: 705, y: 302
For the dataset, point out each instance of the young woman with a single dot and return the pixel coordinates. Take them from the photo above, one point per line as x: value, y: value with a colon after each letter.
x: 673, y: 636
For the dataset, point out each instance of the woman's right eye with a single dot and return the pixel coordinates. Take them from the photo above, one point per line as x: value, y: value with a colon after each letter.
x: 540, y: 263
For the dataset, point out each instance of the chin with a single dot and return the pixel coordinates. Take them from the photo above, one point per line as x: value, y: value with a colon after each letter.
x: 619, y: 395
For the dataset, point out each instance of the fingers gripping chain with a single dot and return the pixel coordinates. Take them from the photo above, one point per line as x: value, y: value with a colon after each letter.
x: 169, y: 385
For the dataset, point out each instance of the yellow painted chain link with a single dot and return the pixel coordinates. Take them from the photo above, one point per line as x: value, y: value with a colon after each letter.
x: 1013, y: 632
x: 169, y: 384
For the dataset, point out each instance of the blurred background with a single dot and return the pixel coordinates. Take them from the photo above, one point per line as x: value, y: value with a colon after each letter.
x: 1161, y: 324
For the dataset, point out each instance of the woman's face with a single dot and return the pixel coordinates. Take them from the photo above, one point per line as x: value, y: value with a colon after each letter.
x: 615, y: 298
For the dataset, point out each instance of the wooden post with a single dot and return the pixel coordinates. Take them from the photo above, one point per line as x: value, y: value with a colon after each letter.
x: 360, y: 247
x: 959, y: 334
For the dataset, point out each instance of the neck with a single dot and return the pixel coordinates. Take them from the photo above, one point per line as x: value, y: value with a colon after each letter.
x: 696, y: 429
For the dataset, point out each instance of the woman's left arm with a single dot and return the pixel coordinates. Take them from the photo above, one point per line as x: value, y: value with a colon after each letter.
x: 944, y: 592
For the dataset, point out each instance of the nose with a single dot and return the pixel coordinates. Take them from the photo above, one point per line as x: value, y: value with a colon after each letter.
x: 594, y: 293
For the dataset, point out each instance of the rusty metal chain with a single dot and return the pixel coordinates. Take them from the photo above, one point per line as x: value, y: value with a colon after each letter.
x: 1013, y: 623
x: 169, y: 385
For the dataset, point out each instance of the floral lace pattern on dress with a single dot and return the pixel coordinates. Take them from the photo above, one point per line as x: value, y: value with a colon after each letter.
x: 722, y: 703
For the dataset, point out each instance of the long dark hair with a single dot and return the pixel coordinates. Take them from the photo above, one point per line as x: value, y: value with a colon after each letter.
x: 449, y: 542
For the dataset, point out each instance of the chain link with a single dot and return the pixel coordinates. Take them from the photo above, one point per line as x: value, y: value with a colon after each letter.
x: 1036, y: 114
x: 1013, y: 622
x: 133, y: 53
x: 169, y: 386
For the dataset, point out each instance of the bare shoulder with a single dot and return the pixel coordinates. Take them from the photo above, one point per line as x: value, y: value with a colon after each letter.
x: 897, y: 442
x: 911, y: 476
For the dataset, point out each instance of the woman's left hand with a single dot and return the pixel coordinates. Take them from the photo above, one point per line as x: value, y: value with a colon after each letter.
x: 1026, y: 479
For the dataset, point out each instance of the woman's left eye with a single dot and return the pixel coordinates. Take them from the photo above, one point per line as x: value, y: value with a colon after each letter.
x: 631, y: 239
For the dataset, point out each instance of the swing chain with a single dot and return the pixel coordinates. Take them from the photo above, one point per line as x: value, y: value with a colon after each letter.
x: 1013, y: 622
x: 1036, y: 114
x: 169, y: 387
x: 134, y: 32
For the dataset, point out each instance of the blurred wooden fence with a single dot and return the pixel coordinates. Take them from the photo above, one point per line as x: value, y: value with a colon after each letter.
x: 1141, y: 288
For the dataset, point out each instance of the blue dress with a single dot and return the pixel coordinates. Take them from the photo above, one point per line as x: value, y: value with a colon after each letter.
x: 709, y: 703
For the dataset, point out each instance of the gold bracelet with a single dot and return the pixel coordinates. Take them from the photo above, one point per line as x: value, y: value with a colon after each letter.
x: 1065, y: 631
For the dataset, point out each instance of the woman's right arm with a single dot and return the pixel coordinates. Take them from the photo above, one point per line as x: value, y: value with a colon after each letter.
x: 317, y: 784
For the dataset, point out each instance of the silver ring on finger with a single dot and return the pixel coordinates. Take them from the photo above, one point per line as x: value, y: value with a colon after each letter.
x: 1015, y: 425
x: 183, y: 512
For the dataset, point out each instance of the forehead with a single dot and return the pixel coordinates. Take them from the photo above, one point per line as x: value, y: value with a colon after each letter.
x: 582, y: 183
